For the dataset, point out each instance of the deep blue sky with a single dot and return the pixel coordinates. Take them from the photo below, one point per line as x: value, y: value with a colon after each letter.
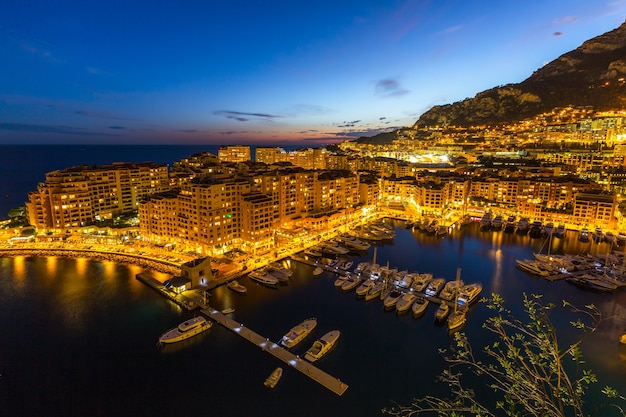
x: 137, y: 71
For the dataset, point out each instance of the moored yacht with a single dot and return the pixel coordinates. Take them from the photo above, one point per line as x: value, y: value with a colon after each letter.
x: 469, y: 293
x: 485, y: 221
x: 351, y: 282
x: 457, y: 319
x: 434, y: 286
x: 365, y: 286
x: 186, y: 330
x: 419, y: 306
x: 375, y: 290
x: 583, y: 235
x: 263, y: 277
x: 442, y: 311
x: 420, y: 281
x: 522, y: 225
x: 322, y: 345
x: 237, y: 287
x: 405, y: 302
x: 390, y: 301
x: 497, y: 222
x: 509, y: 226
x: 560, y: 231
x: 297, y: 333
x: 450, y: 289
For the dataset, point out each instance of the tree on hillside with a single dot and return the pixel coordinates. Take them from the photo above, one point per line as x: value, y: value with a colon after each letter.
x: 526, y: 369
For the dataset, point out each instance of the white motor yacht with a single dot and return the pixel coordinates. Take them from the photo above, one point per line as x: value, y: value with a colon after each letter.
x: 405, y: 302
x: 186, y: 330
x: 322, y: 346
x: 297, y: 333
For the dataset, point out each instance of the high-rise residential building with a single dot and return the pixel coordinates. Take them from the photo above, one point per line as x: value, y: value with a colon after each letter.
x: 234, y: 153
x: 75, y: 197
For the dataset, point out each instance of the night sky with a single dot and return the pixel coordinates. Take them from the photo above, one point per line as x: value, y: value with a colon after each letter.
x: 261, y: 72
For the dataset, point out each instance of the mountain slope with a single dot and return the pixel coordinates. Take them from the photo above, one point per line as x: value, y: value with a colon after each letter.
x: 594, y: 75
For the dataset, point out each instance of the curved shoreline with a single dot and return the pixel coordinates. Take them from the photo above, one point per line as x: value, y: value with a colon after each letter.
x: 123, y: 258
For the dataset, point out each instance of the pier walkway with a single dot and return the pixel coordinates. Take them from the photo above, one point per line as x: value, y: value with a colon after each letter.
x: 316, y: 374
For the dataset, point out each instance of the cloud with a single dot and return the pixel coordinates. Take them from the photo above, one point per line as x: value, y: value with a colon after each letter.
x: 239, y: 132
x: 188, y: 130
x: 451, y: 29
x: 565, y: 20
x: 97, y: 71
x: 244, y: 116
x: 389, y: 87
x: 557, y: 34
x: 372, y: 131
x: 98, y: 115
x: 65, y: 130
x: 348, y: 124
x: 117, y: 127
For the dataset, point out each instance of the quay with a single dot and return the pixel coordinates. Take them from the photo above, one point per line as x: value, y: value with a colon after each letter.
x: 180, y: 299
x: 306, y: 368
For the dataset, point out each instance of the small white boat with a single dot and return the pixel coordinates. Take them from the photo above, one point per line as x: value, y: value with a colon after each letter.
x: 340, y: 280
x: 237, y: 287
x: 322, y: 346
x: 434, y: 286
x: 420, y: 281
x: 375, y: 291
x: 405, y: 302
x: 390, y: 301
x: 457, y: 319
x: 469, y: 293
x: 228, y: 310
x: 365, y: 286
x: 186, y: 330
x: 442, y: 311
x: 450, y: 289
x: 297, y: 333
x: 419, y: 306
x: 350, y: 283
x: 264, y: 278
x: 274, y: 377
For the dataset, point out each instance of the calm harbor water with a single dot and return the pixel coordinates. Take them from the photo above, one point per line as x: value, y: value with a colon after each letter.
x: 78, y: 337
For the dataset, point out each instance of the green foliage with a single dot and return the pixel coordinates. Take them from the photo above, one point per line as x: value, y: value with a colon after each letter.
x: 526, y: 368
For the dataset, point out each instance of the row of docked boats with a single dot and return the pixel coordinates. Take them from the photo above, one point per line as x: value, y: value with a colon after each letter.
x: 378, y: 231
x: 597, y: 273
x: 319, y: 348
x: 404, y: 291
x: 271, y: 275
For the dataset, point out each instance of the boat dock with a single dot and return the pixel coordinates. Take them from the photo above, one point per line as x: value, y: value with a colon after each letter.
x: 306, y: 368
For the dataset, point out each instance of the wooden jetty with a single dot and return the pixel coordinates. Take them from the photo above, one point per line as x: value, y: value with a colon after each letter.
x: 316, y: 374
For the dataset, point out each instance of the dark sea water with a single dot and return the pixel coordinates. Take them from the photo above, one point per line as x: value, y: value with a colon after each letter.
x: 24, y: 166
x: 78, y: 337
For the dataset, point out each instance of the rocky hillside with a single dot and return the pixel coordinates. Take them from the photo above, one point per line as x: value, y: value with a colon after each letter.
x: 594, y: 75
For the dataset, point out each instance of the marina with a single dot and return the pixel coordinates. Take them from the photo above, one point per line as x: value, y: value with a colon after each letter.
x: 109, y: 294
x: 306, y: 368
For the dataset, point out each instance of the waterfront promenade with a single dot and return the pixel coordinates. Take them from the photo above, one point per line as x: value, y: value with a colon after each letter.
x: 330, y: 382
x: 168, y: 266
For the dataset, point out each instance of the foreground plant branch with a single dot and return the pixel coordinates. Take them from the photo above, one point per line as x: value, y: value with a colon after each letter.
x: 525, y: 368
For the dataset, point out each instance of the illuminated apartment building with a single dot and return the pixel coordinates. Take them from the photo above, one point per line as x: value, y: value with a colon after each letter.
x: 212, y: 215
x: 594, y: 209
x: 308, y: 158
x: 75, y: 197
x: 234, y: 153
